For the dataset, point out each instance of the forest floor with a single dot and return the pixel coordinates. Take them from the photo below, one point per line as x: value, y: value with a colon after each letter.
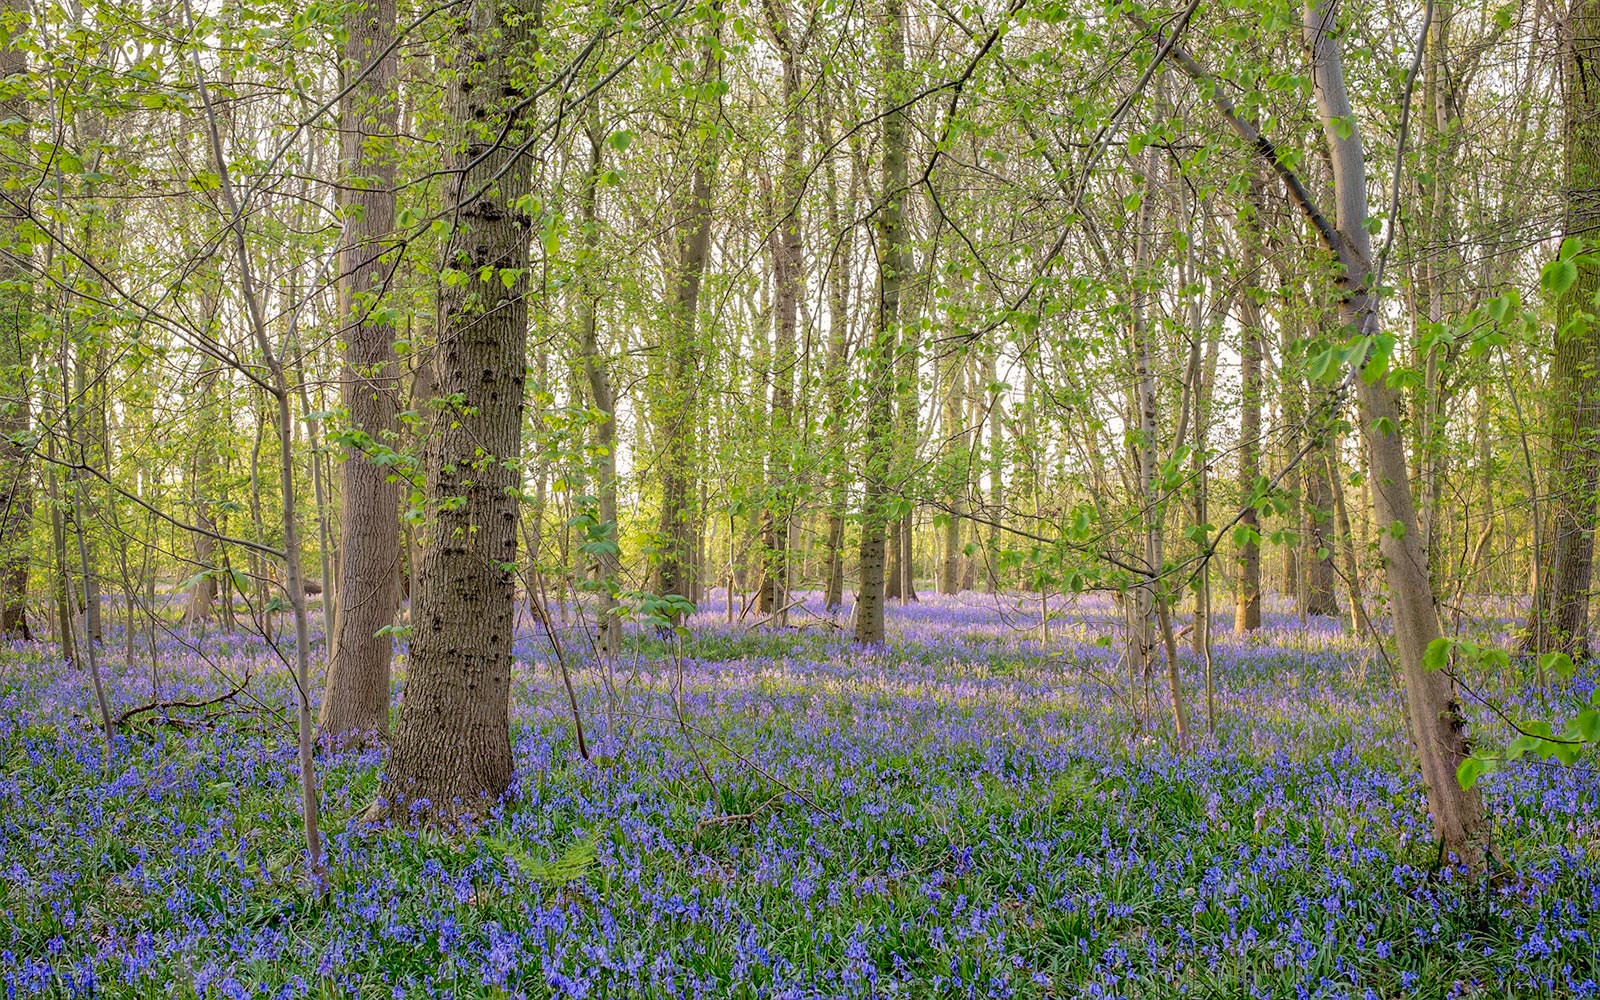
x: 967, y: 812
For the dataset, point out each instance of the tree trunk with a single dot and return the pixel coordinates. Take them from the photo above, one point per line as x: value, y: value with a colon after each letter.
x: 788, y: 278
x: 908, y: 558
x: 356, y: 698
x: 1560, y: 617
x: 1438, y: 726
x: 1321, y: 596
x: 878, y: 448
x: 1152, y: 597
x: 1247, y: 588
x: 675, y: 411
x: 608, y: 563
x: 452, y: 747
x: 836, y: 375
x: 997, y: 468
x: 16, y: 479
x: 957, y: 448
x: 203, y: 595
x: 1347, y: 546
x: 894, y: 574
x: 83, y: 429
x: 63, y: 595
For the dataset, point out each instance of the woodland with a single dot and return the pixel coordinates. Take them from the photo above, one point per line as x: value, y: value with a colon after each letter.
x: 799, y: 498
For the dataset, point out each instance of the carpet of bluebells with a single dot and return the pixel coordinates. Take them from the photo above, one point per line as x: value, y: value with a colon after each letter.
x: 968, y: 811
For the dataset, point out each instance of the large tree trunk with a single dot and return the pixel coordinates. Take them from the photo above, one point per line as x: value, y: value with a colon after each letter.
x: 356, y: 698
x: 16, y: 479
x: 1560, y: 617
x: 452, y: 748
x: 1438, y: 726
x: 879, y: 445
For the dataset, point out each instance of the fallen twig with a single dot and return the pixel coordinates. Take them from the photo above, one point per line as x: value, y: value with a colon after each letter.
x: 159, y: 706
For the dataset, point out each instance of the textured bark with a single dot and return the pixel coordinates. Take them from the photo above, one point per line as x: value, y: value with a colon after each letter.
x: 356, y: 697
x: 1560, y: 616
x: 1438, y: 726
x: 16, y: 478
x: 878, y: 446
x: 452, y: 747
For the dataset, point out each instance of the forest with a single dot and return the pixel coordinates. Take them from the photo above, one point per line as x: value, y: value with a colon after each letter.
x: 799, y: 499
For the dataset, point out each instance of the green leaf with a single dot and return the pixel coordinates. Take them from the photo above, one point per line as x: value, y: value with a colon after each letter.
x: 1558, y: 276
x: 1472, y: 769
x: 1566, y: 753
x: 1559, y: 664
x: 1378, y: 362
x: 1587, y: 725
x: 1320, y: 364
x: 1522, y: 745
x: 1438, y: 653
